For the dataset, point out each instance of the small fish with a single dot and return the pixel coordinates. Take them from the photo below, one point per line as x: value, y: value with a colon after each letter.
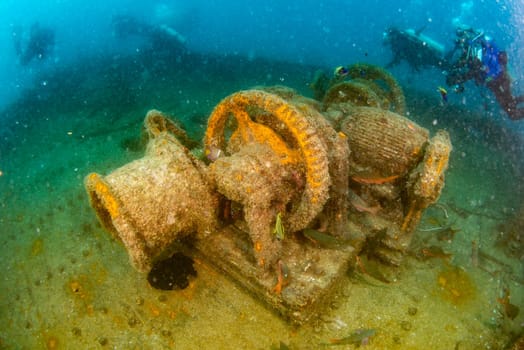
x: 443, y: 94
x: 358, y: 337
x: 510, y: 310
x: 279, y: 230
x: 374, y: 181
x: 370, y: 268
x: 433, y: 252
x: 448, y: 234
x: 213, y: 153
x: 282, y: 278
x: 341, y: 72
x: 323, y: 239
x: 360, y: 205
x: 458, y: 89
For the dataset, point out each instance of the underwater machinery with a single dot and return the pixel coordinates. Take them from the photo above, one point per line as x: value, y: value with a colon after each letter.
x: 287, y: 191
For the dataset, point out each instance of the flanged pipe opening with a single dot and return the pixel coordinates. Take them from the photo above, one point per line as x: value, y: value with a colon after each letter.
x: 172, y: 273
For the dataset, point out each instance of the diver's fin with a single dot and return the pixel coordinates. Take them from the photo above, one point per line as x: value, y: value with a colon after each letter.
x: 421, y: 29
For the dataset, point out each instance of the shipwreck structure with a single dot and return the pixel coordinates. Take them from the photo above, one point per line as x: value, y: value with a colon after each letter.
x: 288, y: 190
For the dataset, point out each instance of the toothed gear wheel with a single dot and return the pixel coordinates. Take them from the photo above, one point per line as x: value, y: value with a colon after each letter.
x: 255, y: 116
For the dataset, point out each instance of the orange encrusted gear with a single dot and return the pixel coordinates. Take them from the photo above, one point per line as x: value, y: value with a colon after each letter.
x: 355, y: 92
x: 289, y: 134
x: 393, y: 93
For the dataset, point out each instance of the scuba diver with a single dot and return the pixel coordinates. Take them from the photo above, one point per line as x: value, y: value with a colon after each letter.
x: 161, y: 38
x: 416, y: 49
x: 476, y: 57
x: 38, y: 45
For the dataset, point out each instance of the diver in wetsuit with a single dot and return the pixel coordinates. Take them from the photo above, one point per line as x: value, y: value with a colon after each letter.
x: 418, y: 50
x: 38, y: 46
x: 476, y: 57
x: 160, y: 37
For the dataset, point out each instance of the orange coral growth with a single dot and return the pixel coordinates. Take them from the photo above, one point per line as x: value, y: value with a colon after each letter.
x: 81, y: 289
x: 154, y: 310
x: 52, y: 343
x: 104, y: 194
x: 77, y: 289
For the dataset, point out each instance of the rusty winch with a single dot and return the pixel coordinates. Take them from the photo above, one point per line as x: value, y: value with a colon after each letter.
x: 289, y: 192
